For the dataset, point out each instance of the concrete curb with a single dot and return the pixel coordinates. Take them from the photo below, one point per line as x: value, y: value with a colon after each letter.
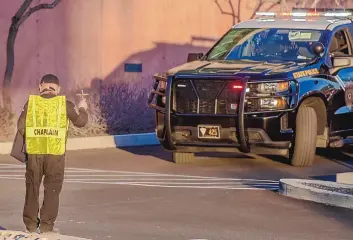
x: 15, y: 235
x: 296, y: 188
x: 100, y: 142
x: 345, y: 178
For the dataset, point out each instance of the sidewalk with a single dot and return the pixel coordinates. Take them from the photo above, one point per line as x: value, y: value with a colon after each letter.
x: 345, y: 178
x: 100, y: 142
x: 339, y: 193
x: 16, y: 235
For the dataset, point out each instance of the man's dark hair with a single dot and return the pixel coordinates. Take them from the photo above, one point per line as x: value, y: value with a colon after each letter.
x: 50, y: 78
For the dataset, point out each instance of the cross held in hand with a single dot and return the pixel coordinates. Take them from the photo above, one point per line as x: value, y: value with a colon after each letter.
x: 82, y: 94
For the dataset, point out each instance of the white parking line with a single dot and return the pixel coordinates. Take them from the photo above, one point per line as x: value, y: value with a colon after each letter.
x: 143, y: 178
x: 95, y: 176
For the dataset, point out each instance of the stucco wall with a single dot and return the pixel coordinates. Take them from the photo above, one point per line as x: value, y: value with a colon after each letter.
x: 82, y: 41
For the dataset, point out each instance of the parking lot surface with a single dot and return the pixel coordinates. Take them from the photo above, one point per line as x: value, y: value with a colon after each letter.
x: 138, y: 193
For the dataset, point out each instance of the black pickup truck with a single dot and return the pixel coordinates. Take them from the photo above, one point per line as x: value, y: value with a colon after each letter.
x: 279, y: 84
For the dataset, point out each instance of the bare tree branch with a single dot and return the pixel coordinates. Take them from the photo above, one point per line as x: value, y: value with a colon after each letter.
x: 239, y: 7
x: 297, y: 3
x: 272, y: 6
x: 221, y: 9
x: 320, y: 3
x: 232, y: 9
x: 232, y: 13
x: 284, y: 5
x: 303, y: 3
x: 37, y: 8
x: 339, y: 3
x: 261, y: 3
x: 21, y: 11
x: 20, y: 16
x: 315, y: 3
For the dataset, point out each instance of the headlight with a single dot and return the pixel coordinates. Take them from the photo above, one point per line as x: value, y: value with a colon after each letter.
x: 259, y: 104
x: 273, y: 103
x: 265, y: 96
x: 268, y: 88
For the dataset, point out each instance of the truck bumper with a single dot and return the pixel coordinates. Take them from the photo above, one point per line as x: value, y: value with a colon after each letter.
x: 185, y: 139
x: 261, y: 133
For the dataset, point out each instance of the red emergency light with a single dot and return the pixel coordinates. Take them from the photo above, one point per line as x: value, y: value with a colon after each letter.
x: 237, y: 86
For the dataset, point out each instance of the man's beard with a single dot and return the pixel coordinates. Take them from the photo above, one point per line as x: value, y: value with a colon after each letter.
x: 48, y: 90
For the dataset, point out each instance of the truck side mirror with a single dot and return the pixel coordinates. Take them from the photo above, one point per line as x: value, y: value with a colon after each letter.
x: 194, y: 56
x: 341, y: 62
x: 318, y: 49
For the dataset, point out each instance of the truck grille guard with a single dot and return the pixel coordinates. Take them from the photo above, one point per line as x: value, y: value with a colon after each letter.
x: 243, y: 140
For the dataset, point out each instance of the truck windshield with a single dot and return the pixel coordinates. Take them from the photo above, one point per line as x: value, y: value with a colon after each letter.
x: 266, y: 45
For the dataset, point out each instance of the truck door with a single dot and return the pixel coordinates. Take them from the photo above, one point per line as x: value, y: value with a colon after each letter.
x: 342, y: 120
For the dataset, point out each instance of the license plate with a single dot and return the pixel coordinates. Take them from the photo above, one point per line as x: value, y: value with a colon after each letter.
x: 210, y: 132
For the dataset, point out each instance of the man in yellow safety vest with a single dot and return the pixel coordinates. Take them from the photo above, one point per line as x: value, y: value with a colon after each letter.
x: 44, y: 123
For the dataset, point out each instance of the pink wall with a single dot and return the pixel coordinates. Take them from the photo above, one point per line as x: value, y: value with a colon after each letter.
x: 83, y: 40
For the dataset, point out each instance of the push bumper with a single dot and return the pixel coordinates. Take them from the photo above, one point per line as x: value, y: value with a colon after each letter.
x: 185, y: 140
x: 236, y: 136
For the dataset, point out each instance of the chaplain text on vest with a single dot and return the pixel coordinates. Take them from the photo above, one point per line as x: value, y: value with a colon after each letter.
x: 46, y: 132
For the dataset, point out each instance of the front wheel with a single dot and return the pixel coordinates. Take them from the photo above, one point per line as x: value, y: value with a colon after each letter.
x: 304, y: 150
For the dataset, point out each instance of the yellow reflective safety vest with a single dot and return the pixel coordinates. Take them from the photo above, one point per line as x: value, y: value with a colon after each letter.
x: 46, y: 125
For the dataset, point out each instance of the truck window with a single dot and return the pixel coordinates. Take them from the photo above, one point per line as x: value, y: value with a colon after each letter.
x: 339, y: 44
x: 266, y: 44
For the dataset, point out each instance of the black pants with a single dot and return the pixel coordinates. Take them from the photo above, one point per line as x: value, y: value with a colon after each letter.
x: 52, y: 168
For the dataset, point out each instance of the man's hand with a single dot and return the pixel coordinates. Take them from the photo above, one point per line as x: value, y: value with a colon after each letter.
x: 83, y: 104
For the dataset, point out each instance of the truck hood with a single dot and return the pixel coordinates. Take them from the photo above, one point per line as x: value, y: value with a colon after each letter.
x: 241, y: 68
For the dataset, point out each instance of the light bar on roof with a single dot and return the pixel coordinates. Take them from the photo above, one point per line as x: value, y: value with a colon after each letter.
x: 299, y: 19
x: 266, y: 20
x: 337, y: 14
x: 300, y: 14
x: 310, y: 12
x: 322, y: 10
x: 327, y: 12
x: 265, y: 14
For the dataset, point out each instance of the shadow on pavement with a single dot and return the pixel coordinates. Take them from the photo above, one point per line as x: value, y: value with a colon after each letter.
x: 159, y: 152
x: 338, y: 156
x: 223, y: 155
x: 258, y: 167
x: 341, y: 157
x: 329, y: 178
x: 154, y: 151
x: 276, y: 158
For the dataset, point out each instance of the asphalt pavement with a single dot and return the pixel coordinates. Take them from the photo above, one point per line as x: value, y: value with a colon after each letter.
x: 139, y: 194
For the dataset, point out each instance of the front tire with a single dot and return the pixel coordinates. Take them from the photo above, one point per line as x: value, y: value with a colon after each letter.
x: 305, y: 137
x: 183, y: 158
